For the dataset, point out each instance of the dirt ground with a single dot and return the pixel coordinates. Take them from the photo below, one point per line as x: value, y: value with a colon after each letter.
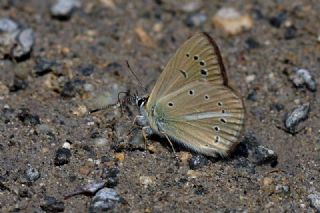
x: 50, y: 144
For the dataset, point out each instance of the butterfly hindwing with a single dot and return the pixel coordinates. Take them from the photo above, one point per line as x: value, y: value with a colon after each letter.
x: 205, y: 117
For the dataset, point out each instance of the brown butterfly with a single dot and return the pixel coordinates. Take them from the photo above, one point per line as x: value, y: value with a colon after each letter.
x: 191, y: 102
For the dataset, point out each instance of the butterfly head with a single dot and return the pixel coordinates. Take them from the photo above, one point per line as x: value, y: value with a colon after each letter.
x: 141, y: 101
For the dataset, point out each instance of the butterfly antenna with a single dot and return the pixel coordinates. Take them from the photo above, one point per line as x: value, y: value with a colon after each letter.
x: 136, y: 77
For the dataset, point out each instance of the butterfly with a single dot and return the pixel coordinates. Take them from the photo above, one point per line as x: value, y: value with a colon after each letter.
x: 191, y: 102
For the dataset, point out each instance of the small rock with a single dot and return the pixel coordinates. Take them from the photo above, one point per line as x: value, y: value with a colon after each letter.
x: 25, y: 42
x: 66, y: 145
x: 100, y: 142
x: 252, y: 43
x: 276, y: 107
x: 282, y: 188
x: 80, y: 111
x: 25, y: 193
x: 32, y: 174
x: 144, y: 38
x: 276, y: 21
x: 303, y: 77
x: 105, y: 199
x: 231, y: 21
x: 27, y: 118
x: 184, y: 157
x: 262, y: 155
x: 191, y: 6
x: 146, y: 180
x: 62, y: 156
x: 200, y: 190
x: 315, y: 200
x: 88, y: 189
x: 250, y: 78
x: 195, y: 20
x: 290, y: 33
x: 51, y: 204
x: 63, y: 8
x: 296, y: 116
x: 267, y: 181
x: 252, y: 96
x: 111, y: 176
x: 198, y: 161
x: 44, y: 66
x: 193, y: 174
x: 119, y: 156
x: 72, y: 88
x: 86, y: 70
x: 18, y: 84
x: 7, y: 25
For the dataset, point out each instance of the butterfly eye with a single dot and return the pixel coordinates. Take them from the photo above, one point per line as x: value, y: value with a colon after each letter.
x: 204, y: 72
x: 195, y: 57
x: 170, y: 104
x: 191, y: 92
x: 202, y: 63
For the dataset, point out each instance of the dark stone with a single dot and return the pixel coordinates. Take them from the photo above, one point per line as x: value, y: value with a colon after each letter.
x: 251, y: 43
x: 252, y: 96
x: 71, y: 88
x: 198, y: 161
x: 18, y: 84
x: 276, y: 21
x: 276, y: 107
x: 296, y: 116
x: 290, y: 33
x: 62, y: 156
x: 111, y: 176
x: 86, y: 70
x: 44, y: 66
x: 105, y: 199
x: 27, y: 118
x: 25, y: 193
x: 200, y: 190
x: 51, y: 204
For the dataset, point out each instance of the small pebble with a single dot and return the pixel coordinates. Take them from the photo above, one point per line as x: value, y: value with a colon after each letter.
x: 262, y: 155
x: 25, y: 193
x: 44, y: 66
x: 18, y: 84
x: 195, y: 20
x: 282, y: 188
x: 267, y: 181
x: 62, y: 156
x: 314, y: 200
x: 193, y: 174
x: 250, y: 78
x: 119, y: 156
x: 27, y: 118
x: 105, y: 199
x: 290, y: 33
x: 25, y: 42
x: 80, y: 111
x: 198, y: 161
x: 231, y: 21
x: 72, y: 88
x: 86, y: 70
x: 252, y: 96
x: 146, y: 180
x: 191, y: 6
x: 51, y: 204
x: 64, y: 8
x: 276, y: 21
x: 32, y: 174
x: 251, y: 43
x: 296, y: 116
x: 276, y: 107
x: 66, y: 145
x: 184, y: 157
x: 110, y: 175
x: 100, y: 142
x: 145, y: 38
x: 7, y: 25
x: 303, y: 77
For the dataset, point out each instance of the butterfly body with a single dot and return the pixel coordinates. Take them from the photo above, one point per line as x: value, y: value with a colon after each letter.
x: 192, y: 103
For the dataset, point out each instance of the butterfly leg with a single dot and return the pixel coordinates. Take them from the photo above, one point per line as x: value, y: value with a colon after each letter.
x: 173, y: 150
x: 146, y: 132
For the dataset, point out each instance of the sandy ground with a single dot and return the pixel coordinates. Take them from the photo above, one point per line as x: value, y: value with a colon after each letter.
x: 44, y: 111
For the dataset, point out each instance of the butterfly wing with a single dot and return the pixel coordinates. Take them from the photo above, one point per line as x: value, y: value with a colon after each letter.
x: 192, y: 103
x: 204, y: 117
x: 198, y: 58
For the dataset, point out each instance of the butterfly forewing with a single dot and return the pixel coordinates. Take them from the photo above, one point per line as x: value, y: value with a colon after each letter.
x: 197, y: 59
